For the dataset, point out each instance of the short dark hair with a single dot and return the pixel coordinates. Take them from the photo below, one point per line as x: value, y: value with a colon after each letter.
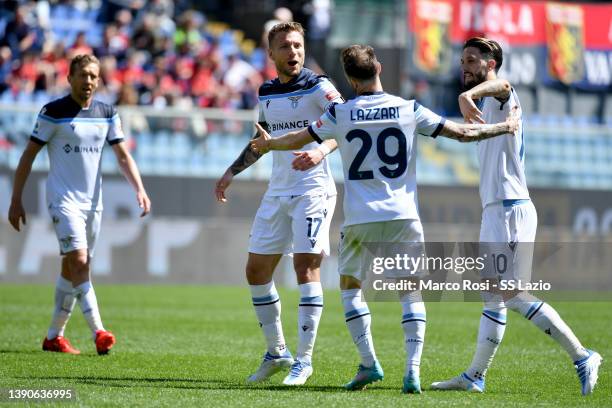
x: 359, y: 61
x: 488, y: 48
x: 284, y: 28
x: 82, y: 60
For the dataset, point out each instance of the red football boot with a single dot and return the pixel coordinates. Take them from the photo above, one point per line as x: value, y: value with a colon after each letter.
x: 59, y: 344
x: 104, y: 341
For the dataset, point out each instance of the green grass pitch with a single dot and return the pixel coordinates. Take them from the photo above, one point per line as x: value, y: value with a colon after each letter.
x: 195, y: 345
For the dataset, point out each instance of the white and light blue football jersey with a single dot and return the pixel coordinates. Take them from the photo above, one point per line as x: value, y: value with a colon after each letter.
x: 502, y: 158
x: 75, y: 137
x: 286, y: 107
x: 376, y: 138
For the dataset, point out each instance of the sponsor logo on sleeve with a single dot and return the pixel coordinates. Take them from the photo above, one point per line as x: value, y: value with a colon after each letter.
x: 331, y: 95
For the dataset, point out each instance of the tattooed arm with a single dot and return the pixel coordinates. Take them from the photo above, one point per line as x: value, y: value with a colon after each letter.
x: 245, y: 160
x: 498, y: 88
x: 474, y: 132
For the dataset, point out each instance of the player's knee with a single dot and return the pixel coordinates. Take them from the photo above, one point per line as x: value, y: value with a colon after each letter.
x: 348, y: 282
x: 307, y: 271
x: 307, y: 267
x: 259, y: 268
x: 520, y: 296
x: 306, y: 274
x: 257, y: 274
x: 78, y: 262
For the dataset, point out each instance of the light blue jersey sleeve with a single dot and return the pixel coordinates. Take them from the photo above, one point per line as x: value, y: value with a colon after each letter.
x: 44, y: 128
x: 325, y: 127
x: 327, y: 94
x: 427, y: 122
x: 115, y: 131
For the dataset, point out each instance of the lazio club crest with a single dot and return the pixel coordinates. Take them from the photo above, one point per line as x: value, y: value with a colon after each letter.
x: 565, y: 40
x: 294, y: 101
x: 432, y: 50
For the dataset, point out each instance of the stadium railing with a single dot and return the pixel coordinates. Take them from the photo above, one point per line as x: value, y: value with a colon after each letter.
x: 204, y: 142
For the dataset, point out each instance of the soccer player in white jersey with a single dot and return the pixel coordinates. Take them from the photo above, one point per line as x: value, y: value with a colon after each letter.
x: 508, y: 219
x: 296, y: 210
x: 375, y: 133
x: 74, y: 129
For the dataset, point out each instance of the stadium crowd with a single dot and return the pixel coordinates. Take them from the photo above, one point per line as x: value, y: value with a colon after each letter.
x: 156, y: 52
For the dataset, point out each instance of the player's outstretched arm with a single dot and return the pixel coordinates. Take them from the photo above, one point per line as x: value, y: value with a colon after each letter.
x: 498, y: 88
x: 289, y: 141
x: 245, y: 160
x: 475, y: 132
x: 131, y: 173
x: 305, y: 160
x: 16, y: 210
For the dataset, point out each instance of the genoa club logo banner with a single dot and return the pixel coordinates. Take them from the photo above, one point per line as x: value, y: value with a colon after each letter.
x: 544, y: 42
x: 432, y: 46
x: 565, y: 40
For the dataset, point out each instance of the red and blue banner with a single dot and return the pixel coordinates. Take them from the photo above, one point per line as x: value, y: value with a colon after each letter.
x: 543, y: 42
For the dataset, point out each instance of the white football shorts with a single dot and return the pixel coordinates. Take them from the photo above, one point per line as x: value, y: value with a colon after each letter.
x: 75, y: 228
x: 360, y: 243
x: 507, y: 233
x: 292, y: 224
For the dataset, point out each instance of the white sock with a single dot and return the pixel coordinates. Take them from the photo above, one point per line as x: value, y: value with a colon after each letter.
x: 309, y: 315
x: 268, y: 309
x: 358, y: 321
x: 89, y: 306
x: 548, y: 320
x: 413, y: 322
x: 64, y: 304
x: 490, y: 335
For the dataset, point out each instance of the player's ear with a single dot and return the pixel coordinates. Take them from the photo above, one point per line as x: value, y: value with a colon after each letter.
x: 491, y: 64
x: 378, y: 68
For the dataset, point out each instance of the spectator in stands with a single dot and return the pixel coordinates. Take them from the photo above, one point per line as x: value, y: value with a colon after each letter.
x: 26, y: 73
x: 164, y: 47
x: 145, y: 36
x: 242, y: 80
x: 203, y: 84
x: 163, y: 11
x: 80, y: 46
x: 188, y: 31
x: 110, y: 76
x: 183, y: 68
x: 281, y: 15
x: 22, y: 35
x: 133, y: 71
x: 113, y: 43
x: 159, y: 82
x: 110, y: 8
x: 57, y: 57
x: 123, y: 19
x: 194, y: 67
x: 128, y: 95
x: 6, y: 66
x: 318, y: 28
